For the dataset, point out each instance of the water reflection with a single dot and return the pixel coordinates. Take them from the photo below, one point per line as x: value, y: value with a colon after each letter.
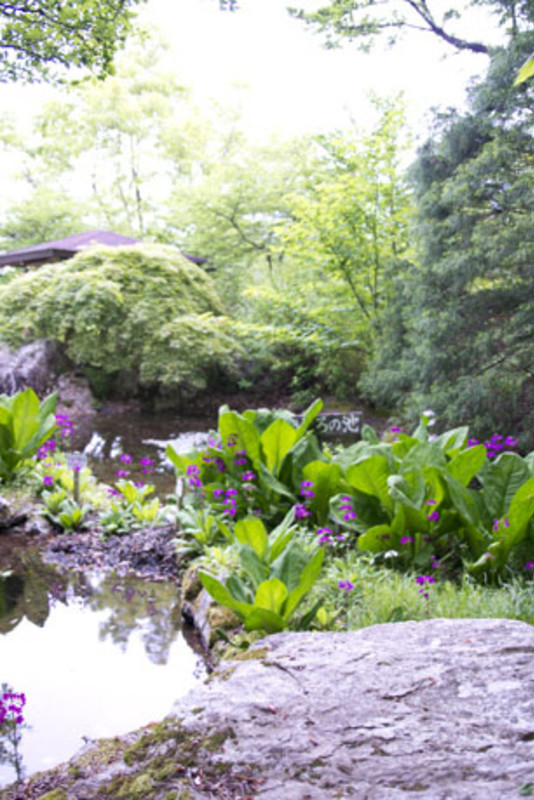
x: 96, y: 655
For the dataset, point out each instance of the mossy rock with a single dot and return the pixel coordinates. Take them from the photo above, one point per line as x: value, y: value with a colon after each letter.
x: 55, y: 794
x: 191, y: 585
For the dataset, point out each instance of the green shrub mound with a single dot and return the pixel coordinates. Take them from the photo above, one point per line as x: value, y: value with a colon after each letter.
x: 143, y: 312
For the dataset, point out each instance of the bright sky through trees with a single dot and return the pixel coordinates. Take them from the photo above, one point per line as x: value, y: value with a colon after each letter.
x: 281, y: 75
x: 295, y: 84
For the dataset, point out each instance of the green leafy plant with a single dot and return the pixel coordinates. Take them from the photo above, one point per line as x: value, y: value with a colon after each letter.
x: 63, y: 511
x: 277, y: 574
x: 25, y: 424
x: 256, y: 458
x: 130, y: 508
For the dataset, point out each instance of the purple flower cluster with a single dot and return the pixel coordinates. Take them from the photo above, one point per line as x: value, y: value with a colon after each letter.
x: 348, y: 507
x: 11, y: 706
x: 347, y: 586
x: 306, y: 491
x: 194, y: 476
x: 495, y: 444
x: 230, y: 503
x: 434, y: 515
x: 64, y: 422
x: 421, y: 580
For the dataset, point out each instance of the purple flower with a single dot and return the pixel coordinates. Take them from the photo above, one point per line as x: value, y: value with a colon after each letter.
x: 194, y: 481
x: 407, y: 539
x: 433, y: 517
x: 346, y: 498
x: 231, y: 493
x: 206, y: 459
x: 219, y: 463
x: 346, y: 507
x: 341, y: 537
x: 529, y: 565
x: 472, y: 442
x: 422, y: 579
x: 126, y: 458
x: 139, y: 485
x: 217, y: 493
x: 347, y: 586
x: 239, y: 462
x: 395, y: 429
x: 248, y: 476
x: 307, y: 493
x: 113, y: 493
x: 435, y: 564
x: 122, y: 473
x: 324, y: 532
x: 192, y: 469
x: 349, y: 515
x: 431, y: 503
x: 48, y: 480
x: 510, y: 441
x: 146, y: 462
x: 301, y: 511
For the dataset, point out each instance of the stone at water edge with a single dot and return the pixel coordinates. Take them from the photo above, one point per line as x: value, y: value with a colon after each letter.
x: 434, y: 710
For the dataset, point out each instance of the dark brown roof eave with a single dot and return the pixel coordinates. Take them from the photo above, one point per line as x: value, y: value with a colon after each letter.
x: 21, y: 258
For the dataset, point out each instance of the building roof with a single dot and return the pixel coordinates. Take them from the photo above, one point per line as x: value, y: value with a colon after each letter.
x: 61, y: 249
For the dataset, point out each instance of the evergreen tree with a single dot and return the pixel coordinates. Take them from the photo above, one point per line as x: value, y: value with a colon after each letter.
x: 459, y: 334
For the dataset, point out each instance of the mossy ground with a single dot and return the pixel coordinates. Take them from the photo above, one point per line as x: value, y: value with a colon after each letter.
x: 159, y: 762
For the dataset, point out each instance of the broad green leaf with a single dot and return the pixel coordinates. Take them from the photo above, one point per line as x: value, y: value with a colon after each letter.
x: 253, y: 566
x: 233, y: 425
x: 465, y: 465
x: 308, y: 577
x: 376, y: 539
x: 276, y: 442
x: 251, y: 531
x: 303, y: 451
x: 422, y: 456
x: 529, y: 461
x: 326, y: 479
x: 181, y: 462
x: 261, y: 619
x: 526, y: 72
x: 369, y: 434
x: 289, y: 565
x: 467, y: 508
x: 502, y: 479
x: 270, y: 482
x: 238, y: 589
x: 411, y: 493
x: 370, y: 477
x: 519, y: 514
x: 221, y: 595
x: 25, y: 418
x: 454, y: 439
x: 271, y: 594
x: 309, y: 416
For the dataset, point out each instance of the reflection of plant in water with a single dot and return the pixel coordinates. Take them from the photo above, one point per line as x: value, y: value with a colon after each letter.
x: 139, y: 605
x: 26, y: 589
x: 11, y: 726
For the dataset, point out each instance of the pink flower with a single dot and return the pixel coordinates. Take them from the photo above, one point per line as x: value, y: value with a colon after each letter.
x: 48, y: 480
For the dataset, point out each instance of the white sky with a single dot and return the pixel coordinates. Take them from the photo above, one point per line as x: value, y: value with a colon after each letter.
x: 289, y: 83
x: 297, y: 85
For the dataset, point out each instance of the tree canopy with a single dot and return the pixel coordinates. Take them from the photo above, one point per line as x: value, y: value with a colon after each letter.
x: 365, y: 20
x: 40, y: 39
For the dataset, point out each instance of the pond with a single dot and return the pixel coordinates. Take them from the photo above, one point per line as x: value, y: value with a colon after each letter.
x: 95, y: 654
x: 105, y: 438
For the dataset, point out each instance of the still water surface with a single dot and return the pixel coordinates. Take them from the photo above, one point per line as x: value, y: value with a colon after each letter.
x: 96, y: 655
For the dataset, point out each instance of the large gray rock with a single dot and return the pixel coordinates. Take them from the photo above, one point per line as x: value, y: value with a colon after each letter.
x: 34, y: 365
x: 434, y: 710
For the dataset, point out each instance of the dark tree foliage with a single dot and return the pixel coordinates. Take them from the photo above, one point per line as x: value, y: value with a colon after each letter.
x: 460, y: 335
x: 40, y: 39
x: 363, y: 21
